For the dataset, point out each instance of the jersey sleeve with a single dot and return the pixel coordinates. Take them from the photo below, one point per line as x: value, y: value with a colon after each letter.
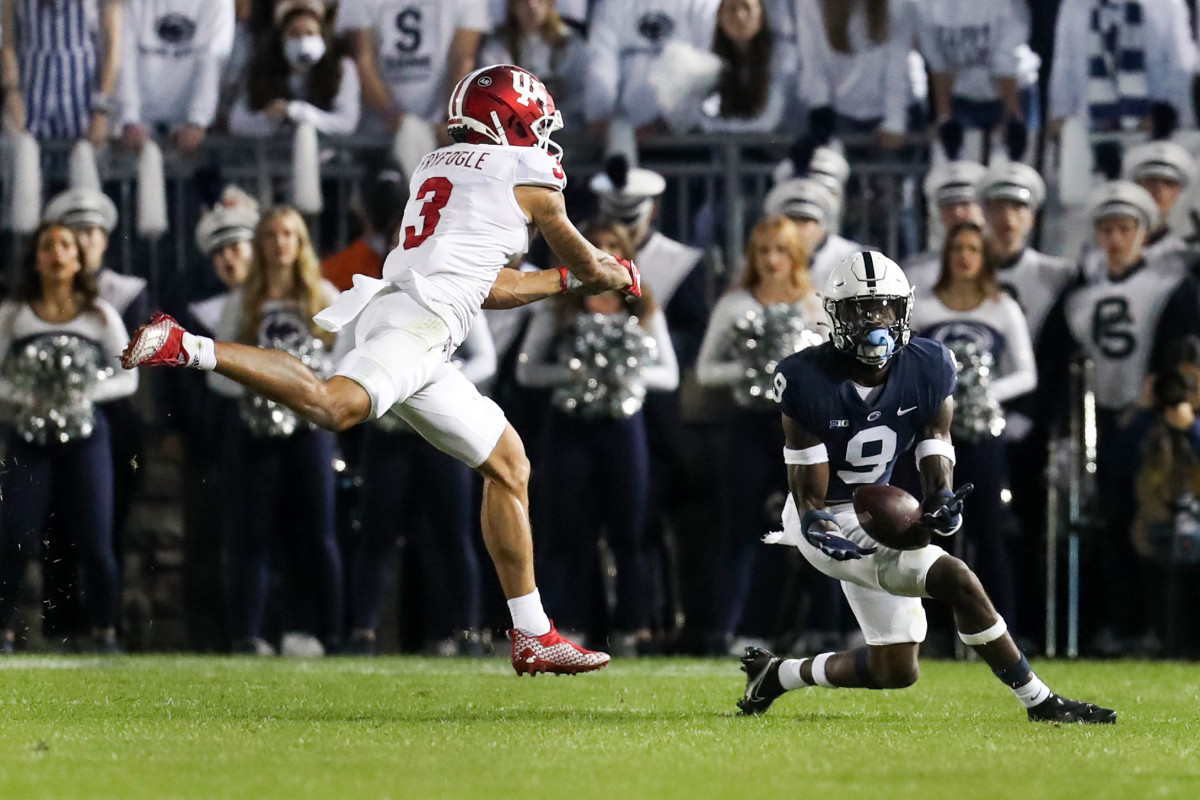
x: 944, y: 378
x: 536, y: 167
x: 797, y: 386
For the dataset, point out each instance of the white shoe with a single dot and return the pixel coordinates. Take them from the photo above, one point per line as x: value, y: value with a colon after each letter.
x: 300, y: 645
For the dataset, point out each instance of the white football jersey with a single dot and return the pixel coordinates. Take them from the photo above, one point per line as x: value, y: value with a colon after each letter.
x: 462, y: 224
x: 414, y: 38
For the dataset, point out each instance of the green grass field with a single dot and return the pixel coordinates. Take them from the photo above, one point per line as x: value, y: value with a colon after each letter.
x: 164, y: 727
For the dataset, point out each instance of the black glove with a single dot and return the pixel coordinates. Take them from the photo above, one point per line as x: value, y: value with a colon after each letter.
x: 821, y: 122
x: 950, y: 134
x: 839, y: 548
x: 945, y: 517
x: 1016, y: 138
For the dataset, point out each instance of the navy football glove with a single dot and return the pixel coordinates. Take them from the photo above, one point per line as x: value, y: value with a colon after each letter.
x: 946, y: 516
x: 839, y: 548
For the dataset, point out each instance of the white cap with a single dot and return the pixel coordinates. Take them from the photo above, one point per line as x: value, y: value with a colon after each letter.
x: 1161, y: 159
x: 802, y: 197
x: 233, y: 219
x: 830, y: 168
x: 954, y: 182
x: 285, y: 7
x: 82, y: 208
x: 624, y: 193
x: 1014, y: 181
x: 1123, y: 199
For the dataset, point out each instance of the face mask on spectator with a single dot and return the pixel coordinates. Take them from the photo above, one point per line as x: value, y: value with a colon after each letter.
x: 304, y: 51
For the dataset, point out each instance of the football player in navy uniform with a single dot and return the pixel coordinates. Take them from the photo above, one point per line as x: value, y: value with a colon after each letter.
x: 851, y: 407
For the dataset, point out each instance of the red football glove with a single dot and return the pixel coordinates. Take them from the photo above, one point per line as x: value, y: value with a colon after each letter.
x: 634, y: 289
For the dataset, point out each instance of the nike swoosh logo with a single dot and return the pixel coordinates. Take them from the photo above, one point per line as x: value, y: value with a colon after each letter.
x: 901, y: 412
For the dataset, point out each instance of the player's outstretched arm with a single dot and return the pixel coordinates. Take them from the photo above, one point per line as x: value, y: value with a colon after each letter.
x: 514, y: 288
x: 935, y: 461
x: 808, y: 479
x: 596, y: 268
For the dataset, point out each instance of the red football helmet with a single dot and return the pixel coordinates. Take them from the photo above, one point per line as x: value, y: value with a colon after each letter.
x: 503, y: 104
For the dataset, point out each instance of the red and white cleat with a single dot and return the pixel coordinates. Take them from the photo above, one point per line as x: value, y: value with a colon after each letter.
x: 552, y: 653
x: 159, y: 343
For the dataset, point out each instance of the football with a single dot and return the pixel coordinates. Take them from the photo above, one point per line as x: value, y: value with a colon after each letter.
x: 889, y: 515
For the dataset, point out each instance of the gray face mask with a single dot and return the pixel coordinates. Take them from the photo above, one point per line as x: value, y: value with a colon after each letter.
x: 303, y: 52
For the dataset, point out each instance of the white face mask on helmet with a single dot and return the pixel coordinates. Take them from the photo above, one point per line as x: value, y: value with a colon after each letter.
x: 869, y: 303
x: 303, y: 52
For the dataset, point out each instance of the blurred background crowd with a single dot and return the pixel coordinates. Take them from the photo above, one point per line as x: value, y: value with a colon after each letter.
x: 237, y: 162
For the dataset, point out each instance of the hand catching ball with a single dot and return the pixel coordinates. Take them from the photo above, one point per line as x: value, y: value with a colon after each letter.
x: 890, y: 516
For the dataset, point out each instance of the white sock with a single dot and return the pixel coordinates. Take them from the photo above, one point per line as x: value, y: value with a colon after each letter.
x: 1033, y: 692
x: 789, y: 674
x: 201, y: 351
x: 528, y: 614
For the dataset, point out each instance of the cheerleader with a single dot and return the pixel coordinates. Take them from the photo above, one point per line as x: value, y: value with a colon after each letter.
x: 411, y: 488
x: 595, y: 434
x: 776, y: 278
x: 59, y: 66
x: 278, y: 469
x: 988, y: 332
x: 60, y: 345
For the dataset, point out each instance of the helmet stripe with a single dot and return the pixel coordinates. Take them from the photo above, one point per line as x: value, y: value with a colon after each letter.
x: 869, y: 265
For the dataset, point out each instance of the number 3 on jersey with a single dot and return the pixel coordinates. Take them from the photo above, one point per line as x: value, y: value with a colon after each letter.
x: 433, y: 196
x: 871, y: 450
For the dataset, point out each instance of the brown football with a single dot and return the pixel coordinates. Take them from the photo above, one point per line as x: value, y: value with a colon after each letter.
x: 889, y: 516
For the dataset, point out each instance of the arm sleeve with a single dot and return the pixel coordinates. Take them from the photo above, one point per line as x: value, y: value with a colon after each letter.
x: 480, y: 363
x: 1012, y: 22
x: 604, y: 62
x: 534, y: 367
x: 799, y: 391
x: 815, y: 88
x: 711, y: 368
x: 128, y: 92
x: 663, y: 376
x: 218, y: 23
x: 244, y: 122
x: 1018, y: 372
x: 343, y: 118
x: 1068, y: 73
x: 898, y: 87
x: 123, y: 382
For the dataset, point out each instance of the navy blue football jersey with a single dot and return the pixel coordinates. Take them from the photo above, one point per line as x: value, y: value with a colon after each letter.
x: 864, y: 437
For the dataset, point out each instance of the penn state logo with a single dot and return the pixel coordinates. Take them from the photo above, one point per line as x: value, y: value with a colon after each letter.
x: 874, y: 415
x: 175, y: 29
x: 656, y: 26
x: 282, y: 330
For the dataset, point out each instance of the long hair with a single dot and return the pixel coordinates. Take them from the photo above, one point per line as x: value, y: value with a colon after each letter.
x: 644, y: 307
x: 987, y: 277
x: 554, y: 32
x: 29, y: 283
x: 306, y: 290
x: 837, y: 14
x: 269, y: 69
x: 770, y: 226
x: 745, y: 81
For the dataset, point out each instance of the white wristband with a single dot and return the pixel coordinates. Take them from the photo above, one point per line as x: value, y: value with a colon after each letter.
x: 817, y: 454
x: 934, y: 447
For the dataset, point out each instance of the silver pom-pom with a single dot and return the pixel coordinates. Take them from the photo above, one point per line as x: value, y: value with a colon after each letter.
x: 54, y: 375
x: 761, y: 339
x: 265, y: 418
x: 977, y: 414
x: 606, y: 355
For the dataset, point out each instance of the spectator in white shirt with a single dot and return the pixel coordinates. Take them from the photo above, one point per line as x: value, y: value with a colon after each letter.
x: 982, y: 73
x: 297, y: 75
x: 625, y: 40
x: 855, y: 75
x: 411, y: 53
x: 534, y: 36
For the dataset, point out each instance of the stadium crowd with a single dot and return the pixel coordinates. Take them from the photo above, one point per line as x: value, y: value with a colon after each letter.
x: 652, y: 427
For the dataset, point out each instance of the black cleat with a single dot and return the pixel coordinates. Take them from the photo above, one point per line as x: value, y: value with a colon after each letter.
x: 1062, y: 710
x: 762, y: 681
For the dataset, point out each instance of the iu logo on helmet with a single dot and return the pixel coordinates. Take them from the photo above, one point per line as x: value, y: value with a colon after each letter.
x: 529, y: 89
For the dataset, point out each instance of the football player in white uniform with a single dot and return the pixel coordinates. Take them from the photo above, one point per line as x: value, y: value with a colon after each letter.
x: 469, y: 213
